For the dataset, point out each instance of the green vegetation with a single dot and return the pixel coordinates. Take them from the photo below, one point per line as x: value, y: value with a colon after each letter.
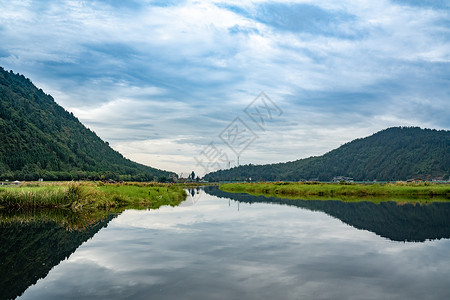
x: 40, y: 139
x: 88, y: 196
x: 398, y: 153
x: 152, y: 195
x: 350, y: 192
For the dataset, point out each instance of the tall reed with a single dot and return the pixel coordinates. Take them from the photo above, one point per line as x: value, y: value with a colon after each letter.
x: 16, y: 197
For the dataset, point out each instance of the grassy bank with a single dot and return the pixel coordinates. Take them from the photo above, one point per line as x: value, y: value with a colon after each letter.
x: 310, y: 190
x: 90, y: 195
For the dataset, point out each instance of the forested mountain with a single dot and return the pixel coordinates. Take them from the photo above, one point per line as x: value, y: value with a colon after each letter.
x: 397, y: 153
x: 40, y: 139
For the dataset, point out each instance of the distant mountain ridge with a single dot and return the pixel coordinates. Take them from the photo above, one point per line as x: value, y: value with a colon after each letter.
x: 40, y: 139
x: 397, y: 153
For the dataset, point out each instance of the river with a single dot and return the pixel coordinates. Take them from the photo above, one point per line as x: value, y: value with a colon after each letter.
x: 217, y: 245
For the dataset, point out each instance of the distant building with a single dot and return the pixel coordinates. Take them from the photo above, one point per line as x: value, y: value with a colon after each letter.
x: 415, y: 180
x: 173, y: 177
x: 182, y: 180
x: 342, y: 179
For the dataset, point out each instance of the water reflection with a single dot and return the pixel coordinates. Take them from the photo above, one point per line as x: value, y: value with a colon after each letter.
x: 221, y: 248
x: 194, y: 195
x: 32, y: 242
x: 398, y: 222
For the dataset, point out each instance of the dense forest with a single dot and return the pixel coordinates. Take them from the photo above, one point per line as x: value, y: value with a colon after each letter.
x: 40, y: 139
x: 397, y: 153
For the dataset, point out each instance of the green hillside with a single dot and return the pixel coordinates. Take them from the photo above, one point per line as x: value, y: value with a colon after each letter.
x: 40, y: 139
x: 397, y: 153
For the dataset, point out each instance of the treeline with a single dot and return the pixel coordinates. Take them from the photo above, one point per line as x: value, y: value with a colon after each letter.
x: 40, y: 139
x: 47, y: 175
x: 397, y: 153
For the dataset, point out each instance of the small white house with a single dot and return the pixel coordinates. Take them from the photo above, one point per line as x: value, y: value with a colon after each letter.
x: 342, y: 179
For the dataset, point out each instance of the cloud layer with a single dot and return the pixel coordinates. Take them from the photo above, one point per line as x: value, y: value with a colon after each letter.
x: 160, y: 80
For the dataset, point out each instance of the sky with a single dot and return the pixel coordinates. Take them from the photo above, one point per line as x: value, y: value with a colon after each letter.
x: 199, y: 85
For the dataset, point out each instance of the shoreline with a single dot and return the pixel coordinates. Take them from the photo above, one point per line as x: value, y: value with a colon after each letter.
x: 346, y: 192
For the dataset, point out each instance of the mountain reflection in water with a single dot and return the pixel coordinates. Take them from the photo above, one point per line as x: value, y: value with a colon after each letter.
x: 398, y: 222
x: 31, y: 245
x: 236, y: 247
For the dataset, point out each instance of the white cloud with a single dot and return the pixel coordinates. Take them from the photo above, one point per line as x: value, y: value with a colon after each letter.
x: 165, y: 74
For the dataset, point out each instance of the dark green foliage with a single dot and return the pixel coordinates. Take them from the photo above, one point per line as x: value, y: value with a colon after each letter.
x: 40, y: 139
x: 397, y: 153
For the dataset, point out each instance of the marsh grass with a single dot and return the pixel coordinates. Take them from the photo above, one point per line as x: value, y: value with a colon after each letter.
x: 399, y: 192
x: 78, y: 205
x: 151, y: 195
x: 22, y: 197
x: 88, y: 195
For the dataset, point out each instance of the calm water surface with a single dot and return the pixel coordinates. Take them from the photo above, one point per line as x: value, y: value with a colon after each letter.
x: 214, y: 247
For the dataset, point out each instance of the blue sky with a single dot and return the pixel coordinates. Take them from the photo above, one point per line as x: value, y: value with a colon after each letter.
x: 161, y: 80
